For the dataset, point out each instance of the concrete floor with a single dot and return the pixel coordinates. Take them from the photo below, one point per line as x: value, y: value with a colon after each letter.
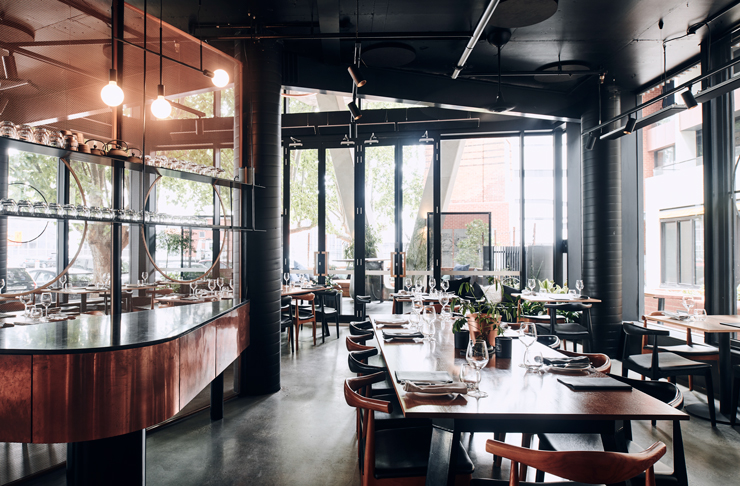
x: 305, y: 435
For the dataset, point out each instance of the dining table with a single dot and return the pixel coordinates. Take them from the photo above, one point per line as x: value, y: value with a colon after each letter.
x: 518, y: 401
x: 399, y: 298
x: 723, y: 326
x: 290, y: 291
x: 83, y: 292
x: 179, y: 300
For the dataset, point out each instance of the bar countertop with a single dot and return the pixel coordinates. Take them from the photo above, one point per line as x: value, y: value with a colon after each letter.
x: 95, y: 333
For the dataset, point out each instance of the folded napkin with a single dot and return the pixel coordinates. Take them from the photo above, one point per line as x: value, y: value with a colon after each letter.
x: 676, y: 316
x: 390, y: 334
x: 392, y: 321
x: 439, y: 388
x: 593, y: 383
x: 568, y: 362
x: 7, y: 316
x: 425, y: 377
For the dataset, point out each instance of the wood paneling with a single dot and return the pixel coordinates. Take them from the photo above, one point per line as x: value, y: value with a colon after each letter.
x: 15, y: 398
x: 87, y: 396
x: 197, y: 361
x: 232, y: 336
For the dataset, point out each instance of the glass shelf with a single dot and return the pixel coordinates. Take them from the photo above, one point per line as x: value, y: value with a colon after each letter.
x: 137, y: 222
x: 23, y: 146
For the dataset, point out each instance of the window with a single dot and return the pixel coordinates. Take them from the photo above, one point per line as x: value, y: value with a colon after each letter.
x: 683, y: 253
x: 699, y: 144
x: 665, y: 157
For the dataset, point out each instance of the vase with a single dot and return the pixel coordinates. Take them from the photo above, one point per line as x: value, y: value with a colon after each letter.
x: 461, y: 340
x: 488, y: 334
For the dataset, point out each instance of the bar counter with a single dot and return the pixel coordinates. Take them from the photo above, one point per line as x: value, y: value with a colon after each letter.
x: 98, y: 382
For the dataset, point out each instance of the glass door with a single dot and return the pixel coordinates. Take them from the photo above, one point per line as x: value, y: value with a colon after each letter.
x: 417, y: 202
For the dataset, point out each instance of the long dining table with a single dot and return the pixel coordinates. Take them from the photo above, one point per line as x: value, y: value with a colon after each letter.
x: 518, y: 401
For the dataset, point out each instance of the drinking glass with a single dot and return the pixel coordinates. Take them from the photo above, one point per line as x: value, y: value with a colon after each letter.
x: 432, y: 284
x: 144, y: 277
x: 35, y: 313
x: 220, y: 283
x: 470, y: 375
x: 572, y: 293
x: 700, y: 314
x: 63, y: 281
x: 579, y: 287
x: 95, y: 212
x: 429, y: 316
x: 688, y: 303
x: 407, y: 284
x: 9, y: 206
x: 445, y: 284
x: 533, y: 360
x: 477, y: 357
x: 55, y: 209
x: 25, y: 300
x: 527, y: 336
x: 211, y: 285
x: 444, y: 299
x: 24, y: 207
x: 46, y: 302
x: 83, y: 211
x: 40, y: 209
x: 70, y: 211
x: 192, y: 287
x: 2, y: 285
x: 531, y: 284
x: 286, y: 277
x: 419, y: 285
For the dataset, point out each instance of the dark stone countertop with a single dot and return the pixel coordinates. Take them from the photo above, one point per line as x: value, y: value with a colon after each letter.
x: 94, y: 333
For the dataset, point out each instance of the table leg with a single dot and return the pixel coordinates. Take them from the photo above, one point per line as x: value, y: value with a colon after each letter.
x: 83, y: 303
x: 616, y: 442
x: 217, y: 398
x: 119, y: 460
x: 725, y: 373
x: 443, y: 453
x: 393, y: 309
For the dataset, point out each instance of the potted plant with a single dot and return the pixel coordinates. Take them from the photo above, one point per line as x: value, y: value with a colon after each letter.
x: 482, y: 316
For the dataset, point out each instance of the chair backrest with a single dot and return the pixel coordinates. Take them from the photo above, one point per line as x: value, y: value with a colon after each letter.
x: 356, y: 363
x: 355, y: 343
x: 589, y: 467
x: 358, y: 331
x: 285, y: 302
x: 664, y: 391
x: 632, y: 329
x: 601, y: 362
x: 569, y: 306
x: 355, y: 399
x: 549, y: 340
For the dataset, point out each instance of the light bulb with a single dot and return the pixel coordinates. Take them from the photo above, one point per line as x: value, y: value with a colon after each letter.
x: 112, y: 94
x: 220, y: 78
x: 161, y: 108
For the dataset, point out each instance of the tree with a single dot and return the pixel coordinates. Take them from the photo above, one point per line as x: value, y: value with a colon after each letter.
x: 470, y: 249
x: 173, y: 242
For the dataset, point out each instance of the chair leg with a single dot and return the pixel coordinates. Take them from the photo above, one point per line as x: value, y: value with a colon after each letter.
x: 691, y: 383
x: 710, y: 396
x: 337, y: 324
x: 526, y: 442
x: 314, y: 333
x: 735, y: 395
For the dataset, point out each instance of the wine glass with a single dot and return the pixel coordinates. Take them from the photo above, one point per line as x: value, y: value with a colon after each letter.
x: 688, y: 303
x: 63, y: 281
x: 432, y: 284
x: 419, y: 285
x: 531, y: 284
x: 445, y: 284
x: 470, y: 375
x: 220, y: 283
x: 527, y: 336
x: 25, y: 300
x: 286, y: 277
x: 477, y: 357
x: 46, y: 302
x: 2, y: 285
x: 407, y: 284
x: 144, y: 277
x: 579, y: 287
x: 211, y: 285
x: 429, y: 316
x: 192, y: 287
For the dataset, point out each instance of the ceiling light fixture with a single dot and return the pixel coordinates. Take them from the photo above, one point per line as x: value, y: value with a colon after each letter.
x: 659, y: 115
x: 718, y: 90
x: 688, y: 98
x: 591, y: 141
x: 357, y: 79
x: 630, y: 126
x: 499, y: 38
x: 219, y: 77
x: 161, y: 108
x: 112, y: 94
x: 356, y: 113
x: 357, y: 76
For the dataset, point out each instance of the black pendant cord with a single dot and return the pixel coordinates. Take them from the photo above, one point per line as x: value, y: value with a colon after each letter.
x: 499, y: 72
x: 161, y: 14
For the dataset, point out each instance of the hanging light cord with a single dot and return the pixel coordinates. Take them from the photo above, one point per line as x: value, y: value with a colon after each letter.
x: 499, y: 71
x: 161, y: 14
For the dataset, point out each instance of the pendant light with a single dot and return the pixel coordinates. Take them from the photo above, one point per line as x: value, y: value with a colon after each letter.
x: 499, y: 38
x: 161, y: 108
x: 112, y: 94
x: 219, y: 77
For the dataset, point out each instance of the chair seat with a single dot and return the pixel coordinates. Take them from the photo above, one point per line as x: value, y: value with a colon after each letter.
x: 686, y: 350
x: 505, y: 482
x: 667, y: 362
x: 570, y: 329
x: 329, y: 311
x: 404, y: 452
x: 541, y: 318
x: 396, y: 419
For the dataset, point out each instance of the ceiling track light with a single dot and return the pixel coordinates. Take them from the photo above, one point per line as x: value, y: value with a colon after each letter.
x: 688, y: 98
x: 591, y: 141
x: 112, y: 94
x: 357, y: 76
x: 659, y: 115
x: 630, y: 126
x: 356, y: 113
x: 718, y: 90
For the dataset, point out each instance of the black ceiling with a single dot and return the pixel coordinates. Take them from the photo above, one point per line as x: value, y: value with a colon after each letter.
x: 619, y: 36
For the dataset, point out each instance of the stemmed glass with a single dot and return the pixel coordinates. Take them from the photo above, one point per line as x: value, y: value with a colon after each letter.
x: 527, y: 336
x: 419, y: 285
x: 417, y: 306
x: 2, y: 285
x: 688, y: 303
x: 192, y: 288
x: 531, y: 284
x: 63, y: 281
x: 407, y: 284
x: 477, y: 357
x: 579, y: 287
x: 432, y: 284
x: 144, y: 278
x: 220, y: 283
x: 25, y: 300
x: 286, y: 277
x: 211, y: 285
x: 445, y: 311
x: 445, y: 284
x: 428, y: 315
x: 46, y: 302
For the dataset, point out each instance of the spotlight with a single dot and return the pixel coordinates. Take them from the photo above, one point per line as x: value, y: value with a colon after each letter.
x: 630, y: 126
x: 356, y: 113
x: 161, y: 108
x: 219, y: 77
x: 357, y: 76
x: 591, y: 141
x: 688, y: 98
x: 111, y: 93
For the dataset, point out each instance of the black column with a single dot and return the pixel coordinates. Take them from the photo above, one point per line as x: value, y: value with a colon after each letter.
x: 602, y: 227
x: 262, y: 78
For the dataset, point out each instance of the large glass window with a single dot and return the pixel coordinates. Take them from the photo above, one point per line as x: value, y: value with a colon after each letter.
x: 380, y: 221
x: 304, y: 210
x: 539, y: 206
x: 418, y: 202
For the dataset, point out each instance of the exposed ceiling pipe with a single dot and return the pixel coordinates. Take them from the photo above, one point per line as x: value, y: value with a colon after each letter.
x: 343, y: 36
x: 574, y: 74
x: 482, y: 23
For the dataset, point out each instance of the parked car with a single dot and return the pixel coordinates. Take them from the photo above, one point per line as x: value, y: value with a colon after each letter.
x: 42, y: 275
x: 18, y: 280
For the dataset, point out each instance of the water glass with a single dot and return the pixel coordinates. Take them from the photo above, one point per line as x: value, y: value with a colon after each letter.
x: 572, y: 293
x: 83, y: 211
x: 579, y: 287
x: 533, y: 360
x: 527, y: 336
x: 25, y: 300
x: 688, y: 303
x: 700, y: 314
x: 7, y: 129
x: 477, y: 357
x: 46, y: 302
x: 531, y: 283
x: 445, y: 284
x: 69, y: 211
x: 429, y: 317
x: 470, y: 375
x: 40, y: 209
x: 432, y: 284
x: 407, y: 284
x: 55, y: 209
x: 35, y: 313
x: 24, y: 207
x: 25, y: 132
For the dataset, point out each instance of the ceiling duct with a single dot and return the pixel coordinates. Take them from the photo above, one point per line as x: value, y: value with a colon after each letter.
x: 522, y: 13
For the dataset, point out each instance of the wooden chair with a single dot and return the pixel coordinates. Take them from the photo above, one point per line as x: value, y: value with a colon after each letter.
x: 12, y: 306
x: 586, y: 467
x: 286, y: 318
x: 393, y: 456
x: 667, y: 393
x: 664, y: 365
x: 690, y: 350
x: 329, y: 305
x: 356, y: 343
x: 302, y: 315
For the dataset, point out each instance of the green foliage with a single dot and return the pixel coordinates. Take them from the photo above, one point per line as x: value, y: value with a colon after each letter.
x: 470, y: 249
x: 304, y: 188
x: 172, y: 242
x: 371, y: 245
x: 550, y: 287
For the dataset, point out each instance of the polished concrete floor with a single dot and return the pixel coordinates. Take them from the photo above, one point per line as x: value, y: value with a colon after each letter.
x: 305, y: 435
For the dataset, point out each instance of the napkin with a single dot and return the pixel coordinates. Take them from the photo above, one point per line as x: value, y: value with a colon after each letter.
x: 392, y: 321
x: 402, y: 334
x: 593, y: 383
x: 676, y: 316
x: 426, y: 377
x: 567, y: 362
x: 438, y: 388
